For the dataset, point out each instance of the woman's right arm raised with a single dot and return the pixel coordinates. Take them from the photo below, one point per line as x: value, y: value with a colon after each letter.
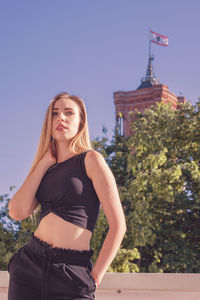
x: 24, y: 202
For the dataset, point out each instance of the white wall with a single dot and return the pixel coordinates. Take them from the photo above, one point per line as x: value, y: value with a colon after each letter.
x: 137, y: 286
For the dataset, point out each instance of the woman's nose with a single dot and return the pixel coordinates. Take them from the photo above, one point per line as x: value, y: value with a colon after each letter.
x: 61, y: 117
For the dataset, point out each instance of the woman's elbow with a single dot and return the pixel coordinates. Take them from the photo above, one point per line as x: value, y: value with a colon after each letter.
x: 15, y: 214
x: 121, y: 225
x: 119, y: 228
x: 124, y: 229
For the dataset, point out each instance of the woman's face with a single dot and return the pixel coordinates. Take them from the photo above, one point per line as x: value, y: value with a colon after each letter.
x: 65, y: 113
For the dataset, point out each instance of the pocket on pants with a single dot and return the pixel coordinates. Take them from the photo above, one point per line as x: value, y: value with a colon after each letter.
x: 91, y: 277
x: 81, y: 277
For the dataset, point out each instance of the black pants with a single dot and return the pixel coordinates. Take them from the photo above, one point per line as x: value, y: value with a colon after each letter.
x: 39, y: 272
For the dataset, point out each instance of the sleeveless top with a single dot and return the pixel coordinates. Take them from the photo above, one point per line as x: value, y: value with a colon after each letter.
x: 68, y: 192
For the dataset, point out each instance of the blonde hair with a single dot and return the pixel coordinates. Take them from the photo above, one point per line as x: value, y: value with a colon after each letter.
x: 80, y: 142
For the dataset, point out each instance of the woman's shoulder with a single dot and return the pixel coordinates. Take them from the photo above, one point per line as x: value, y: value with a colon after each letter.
x: 94, y: 156
x: 94, y: 163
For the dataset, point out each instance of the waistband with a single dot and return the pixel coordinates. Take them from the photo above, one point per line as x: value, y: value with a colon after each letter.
x: 57, y: 255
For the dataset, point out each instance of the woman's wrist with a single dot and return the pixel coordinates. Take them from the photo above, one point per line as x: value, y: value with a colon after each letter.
x: 95, y: 280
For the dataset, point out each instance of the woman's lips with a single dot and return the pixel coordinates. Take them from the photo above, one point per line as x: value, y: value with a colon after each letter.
x: 61, y: 129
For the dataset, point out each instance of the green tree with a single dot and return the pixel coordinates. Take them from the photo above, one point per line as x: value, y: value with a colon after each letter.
x: 166, y: 188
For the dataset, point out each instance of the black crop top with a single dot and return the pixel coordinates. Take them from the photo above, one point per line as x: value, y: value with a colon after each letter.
x: 68, y: 192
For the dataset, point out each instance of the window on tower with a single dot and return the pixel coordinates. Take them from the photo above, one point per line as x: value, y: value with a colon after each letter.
x: 120, y: 123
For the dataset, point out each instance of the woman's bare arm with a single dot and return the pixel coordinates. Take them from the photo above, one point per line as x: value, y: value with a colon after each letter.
x: 106, y: 189
x: 24, y: 202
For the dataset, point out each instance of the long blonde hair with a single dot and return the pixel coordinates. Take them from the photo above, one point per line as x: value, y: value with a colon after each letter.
x: 81, y: 141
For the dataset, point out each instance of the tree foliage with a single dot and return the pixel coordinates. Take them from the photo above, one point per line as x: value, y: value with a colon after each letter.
x: 166, y: 188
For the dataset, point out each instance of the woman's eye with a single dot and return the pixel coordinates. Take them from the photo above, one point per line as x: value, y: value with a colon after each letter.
x: 67, y: 113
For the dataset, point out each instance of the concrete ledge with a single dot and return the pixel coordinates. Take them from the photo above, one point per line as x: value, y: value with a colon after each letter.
x: 137, y: 286
x: 152, y: 281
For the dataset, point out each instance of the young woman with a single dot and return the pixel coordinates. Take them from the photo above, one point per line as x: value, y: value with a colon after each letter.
x: 70, y: 181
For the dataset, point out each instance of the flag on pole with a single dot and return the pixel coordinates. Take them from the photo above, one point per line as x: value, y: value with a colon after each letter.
x: 158, y: 39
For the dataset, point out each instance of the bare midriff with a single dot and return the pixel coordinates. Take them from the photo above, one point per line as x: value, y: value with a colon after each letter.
x: 60, y: 233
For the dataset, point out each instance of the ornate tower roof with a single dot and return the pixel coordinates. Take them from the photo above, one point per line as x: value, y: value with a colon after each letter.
x: 150, y: 79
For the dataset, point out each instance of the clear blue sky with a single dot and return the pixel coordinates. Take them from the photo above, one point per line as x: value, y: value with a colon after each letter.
x: 89, y: 48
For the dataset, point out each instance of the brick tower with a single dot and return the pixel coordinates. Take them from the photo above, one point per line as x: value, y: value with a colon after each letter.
x: 148, y: 93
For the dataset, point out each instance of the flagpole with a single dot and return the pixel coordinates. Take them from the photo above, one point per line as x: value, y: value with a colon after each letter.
x: 149, y: 43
